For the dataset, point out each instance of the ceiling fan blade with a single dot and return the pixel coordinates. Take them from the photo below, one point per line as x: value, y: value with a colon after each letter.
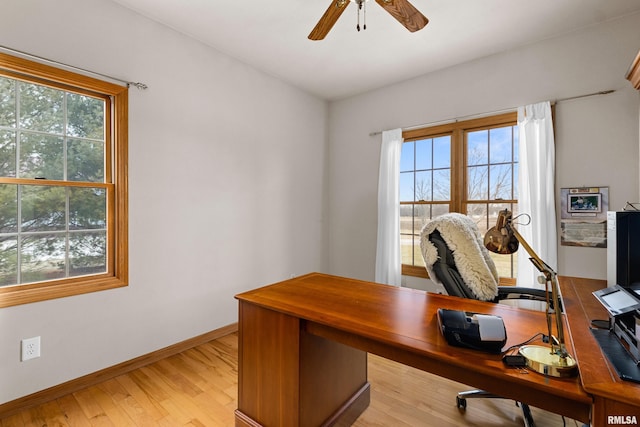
x: 405, y: 13
x: 329, y: 18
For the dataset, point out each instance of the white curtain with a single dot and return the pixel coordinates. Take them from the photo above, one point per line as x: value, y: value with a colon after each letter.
x: 536, y: 187
x: 388, y: 257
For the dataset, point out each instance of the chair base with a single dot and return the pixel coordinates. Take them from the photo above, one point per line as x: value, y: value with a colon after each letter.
x: 461, y: 403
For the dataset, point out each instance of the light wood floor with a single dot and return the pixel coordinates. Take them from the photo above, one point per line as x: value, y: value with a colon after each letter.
x: 199, y: 388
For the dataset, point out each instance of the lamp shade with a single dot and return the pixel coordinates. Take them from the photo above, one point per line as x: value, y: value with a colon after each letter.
x: 500, y: 238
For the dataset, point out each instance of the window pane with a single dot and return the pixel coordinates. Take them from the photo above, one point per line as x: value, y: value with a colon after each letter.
x: 406, y: 248
x: 43, y: 208
x: 412, y: 220
x: 477, y: 148
x: 406, y: 157
x: 406, y: 219
x: 478, y: 212
x: 87, y: 208
x: 442, y: 152
x: 88, y: 253
x: 516, y: 172
x: 437, y: 210
x: 42, y: 257
x: 500, y: 182
x: 406, y: 233
x: 85, y: 160
x: 422, y: 214
x: 8, y: 208
x: 8, y: 261
x: 8, y: 154
x: 423, y: 186
x: 41, y: 156
x: 85, y: 116
x: 501, y: 144
x: 477, y: 183
x: 442, y: 184
x: 406, y: 186
x: 7, y: 102
x: 41, y: 108
x: 423, y: 154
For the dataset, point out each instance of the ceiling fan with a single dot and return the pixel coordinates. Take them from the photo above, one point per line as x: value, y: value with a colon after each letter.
x: 402, y: 10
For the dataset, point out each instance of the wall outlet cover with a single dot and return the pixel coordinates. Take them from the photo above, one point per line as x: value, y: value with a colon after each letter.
x: 30, y: 348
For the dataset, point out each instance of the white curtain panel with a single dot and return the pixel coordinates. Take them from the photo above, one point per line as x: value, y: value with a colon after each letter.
x: 388, y: 257
x: 536, y: 187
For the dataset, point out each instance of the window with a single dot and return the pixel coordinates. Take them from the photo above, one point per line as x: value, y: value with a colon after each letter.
x: 63, y: 183
x: 469, y: 167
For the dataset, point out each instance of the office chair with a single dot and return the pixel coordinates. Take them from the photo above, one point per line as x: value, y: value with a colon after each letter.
x: 465, y: 269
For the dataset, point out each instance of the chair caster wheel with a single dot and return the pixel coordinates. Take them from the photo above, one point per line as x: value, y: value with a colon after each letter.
x: 461, y: 403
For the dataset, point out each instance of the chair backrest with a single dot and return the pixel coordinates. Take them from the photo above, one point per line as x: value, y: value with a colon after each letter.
x: 446, y: 270
x: 455, y: 256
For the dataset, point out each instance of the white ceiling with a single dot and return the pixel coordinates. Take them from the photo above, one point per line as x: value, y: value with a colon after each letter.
x: 271, y: 35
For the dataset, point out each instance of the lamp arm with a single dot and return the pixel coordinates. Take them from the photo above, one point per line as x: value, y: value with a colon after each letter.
x: 552, y: 282
x: 535, y: 259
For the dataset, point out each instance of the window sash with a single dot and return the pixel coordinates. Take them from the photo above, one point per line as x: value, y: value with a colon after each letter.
x: 459, y: 174
x: 115, y: 181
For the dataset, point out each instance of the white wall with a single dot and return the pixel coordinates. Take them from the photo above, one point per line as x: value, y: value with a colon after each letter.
x: 600, y: 131
x: 227, y: 175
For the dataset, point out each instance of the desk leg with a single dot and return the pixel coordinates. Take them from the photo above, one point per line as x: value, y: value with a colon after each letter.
x: 607, y: 411
x: 287, y: 377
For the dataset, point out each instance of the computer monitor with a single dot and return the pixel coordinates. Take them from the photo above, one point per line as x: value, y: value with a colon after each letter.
x: 623, y: 248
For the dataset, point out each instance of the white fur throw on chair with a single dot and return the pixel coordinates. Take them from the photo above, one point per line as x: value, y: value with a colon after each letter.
x: 471, y: 257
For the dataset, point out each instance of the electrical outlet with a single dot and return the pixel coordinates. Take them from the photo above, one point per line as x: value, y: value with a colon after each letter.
x: 30, y: 348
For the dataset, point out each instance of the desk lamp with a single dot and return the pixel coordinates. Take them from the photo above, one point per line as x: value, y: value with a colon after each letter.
x: 503, y: 238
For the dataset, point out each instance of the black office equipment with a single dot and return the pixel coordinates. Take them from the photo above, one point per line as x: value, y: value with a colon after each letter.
x: 621, y: 343
x: 623, y: 248
x: 472, y: 330
x: 514, y: 360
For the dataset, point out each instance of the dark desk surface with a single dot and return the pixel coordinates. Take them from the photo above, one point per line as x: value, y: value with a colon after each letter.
x: 400, y: 324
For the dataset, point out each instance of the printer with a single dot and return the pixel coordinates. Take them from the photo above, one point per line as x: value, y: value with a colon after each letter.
x: 482, y: 332
x: 621, y: 342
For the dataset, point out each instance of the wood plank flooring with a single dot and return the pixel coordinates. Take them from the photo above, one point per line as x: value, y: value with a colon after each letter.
x: 198, y: 388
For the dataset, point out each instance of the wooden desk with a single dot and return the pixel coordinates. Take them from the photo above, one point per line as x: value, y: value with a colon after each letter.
x: 611, y: 395
x: 303, y: 344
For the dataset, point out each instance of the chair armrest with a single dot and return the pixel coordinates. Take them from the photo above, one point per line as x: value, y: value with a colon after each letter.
x: 523, y: 293
x: 520, y: 292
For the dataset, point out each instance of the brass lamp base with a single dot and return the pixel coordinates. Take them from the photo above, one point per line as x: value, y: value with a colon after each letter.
x: 543, y: 361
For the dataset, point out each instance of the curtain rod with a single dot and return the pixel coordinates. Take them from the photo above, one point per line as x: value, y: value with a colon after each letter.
x: 37, y: 58
x: 506, y: 110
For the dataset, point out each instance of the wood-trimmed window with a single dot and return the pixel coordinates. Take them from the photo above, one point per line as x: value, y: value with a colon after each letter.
x: 468, y: 166
x: 63, y: 183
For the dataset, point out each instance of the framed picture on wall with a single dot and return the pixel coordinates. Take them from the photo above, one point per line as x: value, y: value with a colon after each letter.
x: 584, y: 202
x: 583, y: 216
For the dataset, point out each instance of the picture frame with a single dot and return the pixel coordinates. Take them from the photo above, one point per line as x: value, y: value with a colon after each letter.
x: 584, y: 202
